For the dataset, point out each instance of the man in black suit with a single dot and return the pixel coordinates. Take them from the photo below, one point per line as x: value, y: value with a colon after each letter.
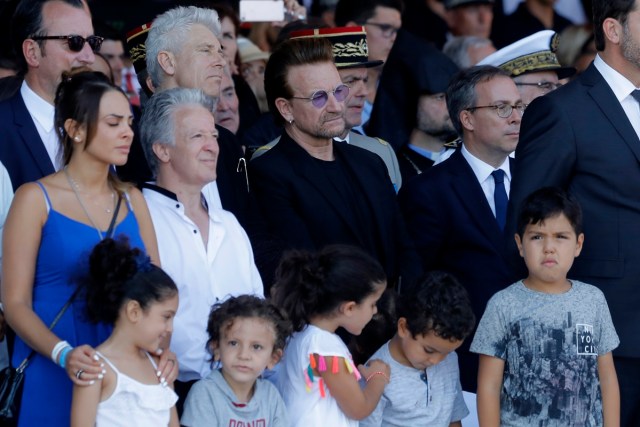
x: 584, y: 137
x: 311, y: 191
x: 28, y: 142
x: 456, y: 210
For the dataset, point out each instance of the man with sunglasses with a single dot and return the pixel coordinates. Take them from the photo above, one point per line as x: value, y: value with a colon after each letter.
x: 50, y: 37
x: 456, y: 210
x: 532, y: 64
x: 312, y: 191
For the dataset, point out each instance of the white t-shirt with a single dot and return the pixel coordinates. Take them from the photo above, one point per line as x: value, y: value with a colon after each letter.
x: 301, y: 392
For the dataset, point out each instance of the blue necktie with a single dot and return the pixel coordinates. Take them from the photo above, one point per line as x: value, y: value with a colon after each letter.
x: 500, y: 197
x: 636, y: 95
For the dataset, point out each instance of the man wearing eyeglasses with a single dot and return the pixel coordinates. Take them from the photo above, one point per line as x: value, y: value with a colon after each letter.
x: 382, y: 20
x: 312, y: 191
x: 456, y: 210
x: 51, y: 37
x: 533, y: 64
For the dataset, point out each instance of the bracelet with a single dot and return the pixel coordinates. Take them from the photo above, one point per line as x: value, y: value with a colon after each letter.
x: 57, y: 349
x: 63, y: 356
x: 385, y: 376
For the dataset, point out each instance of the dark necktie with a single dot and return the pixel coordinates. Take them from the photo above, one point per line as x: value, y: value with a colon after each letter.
x: 500, y: 197
x: 636, y: 95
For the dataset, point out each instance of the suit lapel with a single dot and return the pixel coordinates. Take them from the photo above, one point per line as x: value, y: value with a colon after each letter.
x: 30, y: 137
x: 605, y: 99
x: 468, y: 190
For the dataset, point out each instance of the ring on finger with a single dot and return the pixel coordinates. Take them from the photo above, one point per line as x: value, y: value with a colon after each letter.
x: 79, y: 373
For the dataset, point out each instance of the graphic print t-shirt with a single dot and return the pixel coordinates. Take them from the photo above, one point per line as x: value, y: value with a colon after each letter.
x: 550, y: 344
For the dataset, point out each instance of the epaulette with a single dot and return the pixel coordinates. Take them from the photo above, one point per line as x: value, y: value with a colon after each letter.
x: 453, y: 144
x: 381, y: 141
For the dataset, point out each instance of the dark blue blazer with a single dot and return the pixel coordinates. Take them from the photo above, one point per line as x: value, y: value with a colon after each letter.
x: 22, y: 151
x: 304, y: 210
x: 454, y: 229
x: 579, y: 138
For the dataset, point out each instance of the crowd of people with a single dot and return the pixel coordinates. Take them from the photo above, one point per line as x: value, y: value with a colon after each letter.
x: 371, y: 213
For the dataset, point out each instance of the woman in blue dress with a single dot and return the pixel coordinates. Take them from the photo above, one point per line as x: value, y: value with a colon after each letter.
x: 51, y: 228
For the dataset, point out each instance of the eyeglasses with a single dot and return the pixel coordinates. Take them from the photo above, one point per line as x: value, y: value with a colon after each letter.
x: 548, y: 86
x: 75, y: 42
x: 387, y: 30
x: 319, y: 98
x: 503, y: 110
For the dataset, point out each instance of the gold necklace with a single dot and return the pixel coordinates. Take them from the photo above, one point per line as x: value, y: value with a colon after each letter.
x: 74, y: 187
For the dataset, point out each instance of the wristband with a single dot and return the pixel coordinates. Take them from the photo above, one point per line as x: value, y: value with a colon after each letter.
x: 63, y: 356
x: 57, y: 349
x: 385, y: 376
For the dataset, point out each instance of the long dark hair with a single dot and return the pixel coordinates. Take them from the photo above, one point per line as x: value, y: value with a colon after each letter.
x: 310, y: 284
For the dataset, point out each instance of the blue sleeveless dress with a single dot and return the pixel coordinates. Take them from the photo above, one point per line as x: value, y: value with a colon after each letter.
x: 63, y: 254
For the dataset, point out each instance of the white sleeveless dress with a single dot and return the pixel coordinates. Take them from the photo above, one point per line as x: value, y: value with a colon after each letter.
x: 135, y: 404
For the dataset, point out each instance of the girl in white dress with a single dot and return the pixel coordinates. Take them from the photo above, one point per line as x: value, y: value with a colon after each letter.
x: 336, y: 287
x: 124, y: 289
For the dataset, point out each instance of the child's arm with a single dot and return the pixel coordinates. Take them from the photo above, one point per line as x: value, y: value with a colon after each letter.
x: 490, y: 373
x: 355, y: 402
x: 84, y: 405
x: 173, y: 422
x: 609, y: 389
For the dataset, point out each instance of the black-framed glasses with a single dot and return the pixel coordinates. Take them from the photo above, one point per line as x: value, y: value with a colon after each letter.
x: 387, y: 30
x: 75, y: 42
x: 503, y: 110
x: 319, y: 98
x: 548, y: 86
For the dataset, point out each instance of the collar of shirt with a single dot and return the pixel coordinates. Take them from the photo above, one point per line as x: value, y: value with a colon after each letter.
x: 40, y: 110
x: 346, y: 138
x: 620, y: 85
x: 424, y: 153
x: 168, y: 198
x: 483, y: 170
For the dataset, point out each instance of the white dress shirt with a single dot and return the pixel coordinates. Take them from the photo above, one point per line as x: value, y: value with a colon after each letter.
x: 42, y: 114
x: 483, y: 171
x: 622, y: 89
x: 204, y: 275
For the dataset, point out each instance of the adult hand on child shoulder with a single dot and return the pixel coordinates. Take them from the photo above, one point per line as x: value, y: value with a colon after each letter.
x: 84, y: 366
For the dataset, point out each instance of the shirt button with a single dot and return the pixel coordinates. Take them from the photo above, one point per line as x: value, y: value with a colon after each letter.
x: 177, y: 205
x: 195, y: 231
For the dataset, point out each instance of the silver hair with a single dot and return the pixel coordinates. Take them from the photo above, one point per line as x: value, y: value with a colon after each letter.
x: 169, y: 32
x: 457, y: 49
x: 157, y: 122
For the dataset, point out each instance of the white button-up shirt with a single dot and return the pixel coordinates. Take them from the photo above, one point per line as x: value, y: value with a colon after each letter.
x: 204, y: 275
x: 42, y: 114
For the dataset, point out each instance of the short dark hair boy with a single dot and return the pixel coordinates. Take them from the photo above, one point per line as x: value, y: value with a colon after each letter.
x: 545, y: 342
x: 434, y: 318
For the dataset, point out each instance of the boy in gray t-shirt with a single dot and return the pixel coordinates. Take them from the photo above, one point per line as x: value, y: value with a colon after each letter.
x: 545, y: 342
x: 434, y: 318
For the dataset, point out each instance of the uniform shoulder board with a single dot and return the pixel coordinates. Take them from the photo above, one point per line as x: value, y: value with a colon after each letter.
x: 381, y: 141
x: 453, y: 144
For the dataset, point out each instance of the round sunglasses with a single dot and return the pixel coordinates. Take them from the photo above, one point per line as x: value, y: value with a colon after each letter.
x: 75, y: 42
x: 319, y: 98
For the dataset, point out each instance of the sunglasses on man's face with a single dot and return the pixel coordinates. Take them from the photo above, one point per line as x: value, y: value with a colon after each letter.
x: 76, y: 42
x: 319, y: 98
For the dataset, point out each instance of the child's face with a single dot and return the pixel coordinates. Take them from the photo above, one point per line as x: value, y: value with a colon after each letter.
x: 548, y: 249
x: 423, y: 350
x: 156, y: 323
x: 358, y: 315
x: 245, y: 350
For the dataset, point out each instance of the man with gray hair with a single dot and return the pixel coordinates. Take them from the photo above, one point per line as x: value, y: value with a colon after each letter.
x: 467, y: 51
x: 183, y: 50
x: 202, y: 247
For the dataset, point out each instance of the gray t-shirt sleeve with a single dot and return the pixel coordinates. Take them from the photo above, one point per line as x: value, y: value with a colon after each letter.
x: 459, y: 410
x: 279, y: 415
x: 608, y: 337
x: 491, y: 336
x: 199, y: 407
